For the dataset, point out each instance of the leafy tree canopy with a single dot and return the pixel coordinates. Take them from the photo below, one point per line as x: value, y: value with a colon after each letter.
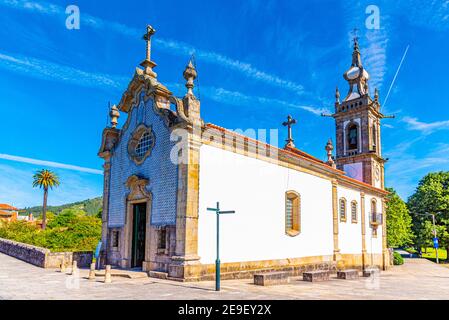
x: 399, y: 221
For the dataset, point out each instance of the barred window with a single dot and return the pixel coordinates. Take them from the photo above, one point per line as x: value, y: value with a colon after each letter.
x: 343, y: 210
x: 141, y: 143
x: 145, y: 143
x: 292, y: 213
x: 354, y: 211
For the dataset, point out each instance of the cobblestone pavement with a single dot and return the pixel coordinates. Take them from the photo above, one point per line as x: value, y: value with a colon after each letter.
x: 416, y: 279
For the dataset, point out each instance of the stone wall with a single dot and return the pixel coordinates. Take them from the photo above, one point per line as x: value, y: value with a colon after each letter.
x: 42, y: 257
x: 25, y: 252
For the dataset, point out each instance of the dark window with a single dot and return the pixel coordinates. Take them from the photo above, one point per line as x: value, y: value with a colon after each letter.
x: 162, y: 241
x: 352, y: 137
x: 115, y: 239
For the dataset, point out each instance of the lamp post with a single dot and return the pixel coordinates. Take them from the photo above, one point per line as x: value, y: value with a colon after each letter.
x: 217, y: 261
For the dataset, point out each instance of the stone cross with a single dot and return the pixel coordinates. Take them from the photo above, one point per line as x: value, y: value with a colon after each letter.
x: 147, y: 38
x: 290, y: 121
x: 147, y: 63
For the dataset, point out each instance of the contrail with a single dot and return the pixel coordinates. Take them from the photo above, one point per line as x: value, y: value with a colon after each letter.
x: 395, y: 76
x: 49, y: 164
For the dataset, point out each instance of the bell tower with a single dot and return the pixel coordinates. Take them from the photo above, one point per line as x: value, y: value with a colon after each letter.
x: 357, y: 118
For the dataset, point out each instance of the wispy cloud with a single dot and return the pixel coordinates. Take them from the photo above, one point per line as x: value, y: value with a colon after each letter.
x: 48, y: 70
x: 49, y: 164
x: 171, y: 46
x: 51, y: 71
x: 239, y: 99
x: 425, y: 127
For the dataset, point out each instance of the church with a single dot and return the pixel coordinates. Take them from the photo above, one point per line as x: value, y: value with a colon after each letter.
x: 164, y: 167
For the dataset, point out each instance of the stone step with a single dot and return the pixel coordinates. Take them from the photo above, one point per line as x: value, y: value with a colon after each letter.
x: 369, y: 272
x: 349, y: 274
x: 315, y: 276
x: 123, y: 273
x: 158, y: 274
x: 271, y: 278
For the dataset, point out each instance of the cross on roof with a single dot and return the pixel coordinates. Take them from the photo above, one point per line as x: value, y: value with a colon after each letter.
x: 289, y: 123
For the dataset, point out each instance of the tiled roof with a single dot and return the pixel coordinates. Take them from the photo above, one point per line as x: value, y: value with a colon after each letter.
x: 5, y: 213
x: 4, y: 206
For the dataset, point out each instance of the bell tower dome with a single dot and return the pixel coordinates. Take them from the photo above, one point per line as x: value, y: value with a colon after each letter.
x: 357, y: 118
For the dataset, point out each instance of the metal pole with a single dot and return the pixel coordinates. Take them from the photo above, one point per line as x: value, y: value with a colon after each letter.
x: 435, y: 236
x: 217, y: 262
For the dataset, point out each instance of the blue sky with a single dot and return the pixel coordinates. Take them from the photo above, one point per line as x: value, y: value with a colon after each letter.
x: 257, y: 62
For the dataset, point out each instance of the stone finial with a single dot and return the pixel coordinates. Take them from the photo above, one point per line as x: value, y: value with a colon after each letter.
x: 329, y: 148
x: 147, y: 63
x: 190, y: 75
x: 376, y: 95
x: 337, y: 96
x: 114, y: 114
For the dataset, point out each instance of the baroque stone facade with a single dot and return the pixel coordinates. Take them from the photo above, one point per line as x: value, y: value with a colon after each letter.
x: 152, y: 180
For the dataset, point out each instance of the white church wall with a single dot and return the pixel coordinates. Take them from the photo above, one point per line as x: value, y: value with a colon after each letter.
x: 373, y: 244
x: 256, y: 190
x: 349, y: 233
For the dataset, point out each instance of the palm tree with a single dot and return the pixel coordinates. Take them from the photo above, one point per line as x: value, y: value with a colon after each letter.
x: 45, y: 179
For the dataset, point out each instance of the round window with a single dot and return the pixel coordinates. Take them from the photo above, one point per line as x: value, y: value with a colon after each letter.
x: 141, y: 144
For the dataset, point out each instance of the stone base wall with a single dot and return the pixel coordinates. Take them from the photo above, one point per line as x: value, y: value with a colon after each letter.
x: 42, y: 257
x: 294, y: 267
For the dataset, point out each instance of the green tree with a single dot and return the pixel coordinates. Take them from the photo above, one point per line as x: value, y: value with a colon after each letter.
x: 431, y: 196
x: 45, y: 179
x: 399, y: 221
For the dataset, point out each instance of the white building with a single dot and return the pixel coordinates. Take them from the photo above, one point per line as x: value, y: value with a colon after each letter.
x: 165, y: 167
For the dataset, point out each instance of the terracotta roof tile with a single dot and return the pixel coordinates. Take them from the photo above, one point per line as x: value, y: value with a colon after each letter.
x: 4, y: 206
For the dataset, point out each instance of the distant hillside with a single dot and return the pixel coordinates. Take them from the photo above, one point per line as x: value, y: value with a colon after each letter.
x: 91, y: 206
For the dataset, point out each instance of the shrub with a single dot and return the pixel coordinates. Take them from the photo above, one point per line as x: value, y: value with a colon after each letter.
x: 71, y: 230
x: 397, y: 259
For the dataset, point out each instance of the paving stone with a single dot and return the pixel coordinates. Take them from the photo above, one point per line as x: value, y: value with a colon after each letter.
x: 415, y: 279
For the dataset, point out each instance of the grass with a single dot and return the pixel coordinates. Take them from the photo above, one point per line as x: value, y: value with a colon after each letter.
x: 431, y: 254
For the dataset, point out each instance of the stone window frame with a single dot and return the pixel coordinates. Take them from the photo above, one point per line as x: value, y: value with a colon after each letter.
x: 357, y: 129
x: 295, y: 228
x: 134, y: 141
x: 342, y: 213
x: 354, y: 211
x: 115, y: 239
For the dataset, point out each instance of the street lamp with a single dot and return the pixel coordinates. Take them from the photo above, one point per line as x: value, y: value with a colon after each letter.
x: 217, y: 261
x: 435, y: 239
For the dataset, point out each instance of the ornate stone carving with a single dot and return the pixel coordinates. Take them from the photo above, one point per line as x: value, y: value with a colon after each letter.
x: 137, y: 186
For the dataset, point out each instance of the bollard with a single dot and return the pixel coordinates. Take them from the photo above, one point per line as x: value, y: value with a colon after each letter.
x: 92, y: 272
x: 74, y: 267
x: 107, y: 274
x: 62, y: 270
